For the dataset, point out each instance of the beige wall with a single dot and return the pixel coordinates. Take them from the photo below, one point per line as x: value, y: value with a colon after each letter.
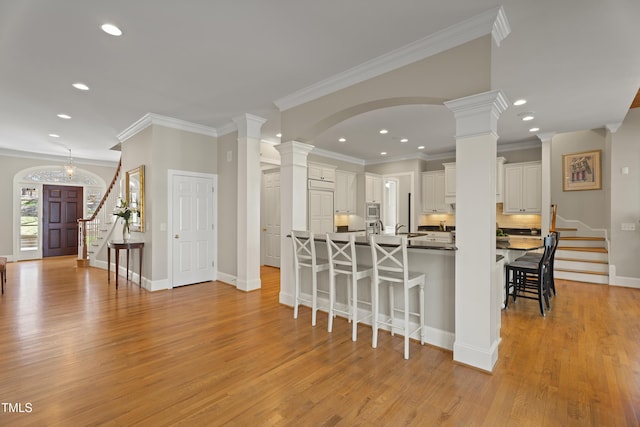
x: 591, y: 207
x: 458, y: 72
x: 161, y: 149
x: 9, y: 166
x: 227, y: 204
x: 625, y: 196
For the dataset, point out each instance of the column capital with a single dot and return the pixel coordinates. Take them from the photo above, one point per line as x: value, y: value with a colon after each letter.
x: 478, y: 114
x: 249, y: 126
x: 294, y: 152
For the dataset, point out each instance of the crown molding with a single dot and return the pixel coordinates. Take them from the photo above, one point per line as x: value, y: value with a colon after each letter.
x: 227, y: 129
x: 522, y: 145
x: 169, y: 122
x: 613, y: 127
x: 493, y: 21
x: 337, y: 156
x: 56, y: 158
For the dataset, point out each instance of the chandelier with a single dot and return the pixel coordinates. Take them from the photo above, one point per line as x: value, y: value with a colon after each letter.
x: 69, y: 167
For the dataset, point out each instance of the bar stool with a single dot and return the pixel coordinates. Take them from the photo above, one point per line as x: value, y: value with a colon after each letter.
x: 304, y: 255
x: 342, y: 260
x: 530, y: 279
x: 537, y: 256
x: 389, y: 255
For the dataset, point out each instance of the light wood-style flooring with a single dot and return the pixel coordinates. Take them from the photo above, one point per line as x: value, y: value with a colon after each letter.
x: 82, y: 353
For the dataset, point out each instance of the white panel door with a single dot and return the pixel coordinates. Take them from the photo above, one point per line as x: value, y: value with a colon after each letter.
x: 271, y: 218
x: 192, y: 230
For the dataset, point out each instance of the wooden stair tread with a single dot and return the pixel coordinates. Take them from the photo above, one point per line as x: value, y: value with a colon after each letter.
x: 591, y: 239
x: 568, y: 270
x: 582, y: 249
x: 593, y: 261
x: 565, y: 229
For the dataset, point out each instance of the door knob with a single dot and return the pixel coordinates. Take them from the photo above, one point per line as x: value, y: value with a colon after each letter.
x: 177, y: 236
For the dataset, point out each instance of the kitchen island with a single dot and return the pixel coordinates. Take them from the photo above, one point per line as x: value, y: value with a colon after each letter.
x: 437, y: 261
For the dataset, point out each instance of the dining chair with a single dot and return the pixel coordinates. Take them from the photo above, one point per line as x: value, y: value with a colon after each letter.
x: 530, y: 279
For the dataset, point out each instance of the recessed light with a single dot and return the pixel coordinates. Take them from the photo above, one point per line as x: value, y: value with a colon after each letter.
x: 64, y: 116
x: 527, y: 118
x: 54, y: 135
x: 80, y: 86
x: 111, y: 30
x: 384, y: 153
x: 534, y: 129
x: 278, y: 135
x: 404, y: 140
x: 421, y: 147
x: 384, y: 131
x: 342, y: 139
x: 520, y: 102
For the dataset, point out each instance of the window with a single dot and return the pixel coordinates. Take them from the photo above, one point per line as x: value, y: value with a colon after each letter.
x: 29, y: 220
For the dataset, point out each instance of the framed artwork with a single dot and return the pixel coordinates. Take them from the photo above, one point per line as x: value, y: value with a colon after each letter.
x: 135, y: 197
x: 582, y: 171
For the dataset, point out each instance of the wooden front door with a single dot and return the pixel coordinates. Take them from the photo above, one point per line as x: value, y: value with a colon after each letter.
x: 62, y: 206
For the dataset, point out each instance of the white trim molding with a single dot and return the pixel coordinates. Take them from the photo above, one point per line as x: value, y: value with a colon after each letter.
x: 627, y: 282
x: 156, y: 119
x: 493, y: 21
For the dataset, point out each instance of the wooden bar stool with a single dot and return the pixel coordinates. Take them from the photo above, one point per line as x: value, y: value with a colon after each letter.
x: 3, y: 272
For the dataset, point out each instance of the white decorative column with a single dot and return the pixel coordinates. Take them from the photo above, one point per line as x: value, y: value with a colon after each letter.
x: 477, y: 311
x: 293, y: 208
x: 545, y: 217
x: 248, y: 202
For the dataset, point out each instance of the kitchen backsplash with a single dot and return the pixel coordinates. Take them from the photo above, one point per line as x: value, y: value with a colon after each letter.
x: 504, y: 221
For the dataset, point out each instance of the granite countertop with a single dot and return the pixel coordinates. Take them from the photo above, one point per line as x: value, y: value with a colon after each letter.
x: 521, y: 244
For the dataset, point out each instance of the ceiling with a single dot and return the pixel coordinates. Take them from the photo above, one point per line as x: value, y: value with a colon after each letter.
x: 576, y: 62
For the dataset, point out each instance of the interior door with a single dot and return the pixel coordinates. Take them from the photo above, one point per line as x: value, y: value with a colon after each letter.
x: 271, y: 218
x: 193, y: 230
x: 61, y: 208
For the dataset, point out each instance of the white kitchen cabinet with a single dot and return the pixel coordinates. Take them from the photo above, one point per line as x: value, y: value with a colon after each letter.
x: 450, y: 181
x: 373, y: 188
x: 345, y: 192
x: 523, y: 188
x: 321, y: 172
x: 321, y: 211
x: 433, y: 188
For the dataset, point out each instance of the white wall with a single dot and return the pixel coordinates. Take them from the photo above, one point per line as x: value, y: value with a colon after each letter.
x: 227, y: 204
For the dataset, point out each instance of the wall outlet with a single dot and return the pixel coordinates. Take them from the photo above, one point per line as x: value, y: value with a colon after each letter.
x: 628, y: 226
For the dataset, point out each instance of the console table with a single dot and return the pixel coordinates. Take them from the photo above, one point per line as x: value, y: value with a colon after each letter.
x: 118, y: 245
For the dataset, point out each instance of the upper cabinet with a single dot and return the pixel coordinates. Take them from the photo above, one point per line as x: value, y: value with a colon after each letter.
x: 345, y: 192
x: 433, y: 190
x: 450, y: 181
x: 321, y: 172
x: 373, y: 188
x: 523, y: 188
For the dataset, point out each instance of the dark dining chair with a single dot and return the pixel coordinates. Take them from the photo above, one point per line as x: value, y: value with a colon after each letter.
x: 530, y: 279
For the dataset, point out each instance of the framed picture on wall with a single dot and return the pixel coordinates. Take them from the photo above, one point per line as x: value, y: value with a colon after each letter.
x: 582, y: 171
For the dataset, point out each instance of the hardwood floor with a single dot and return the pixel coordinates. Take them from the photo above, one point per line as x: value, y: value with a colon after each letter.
x: 81, y: 353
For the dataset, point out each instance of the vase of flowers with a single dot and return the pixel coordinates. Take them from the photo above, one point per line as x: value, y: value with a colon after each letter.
x: 124, y: 211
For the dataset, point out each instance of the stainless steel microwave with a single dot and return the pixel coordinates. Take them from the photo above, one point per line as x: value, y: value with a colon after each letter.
x: 372, y: 211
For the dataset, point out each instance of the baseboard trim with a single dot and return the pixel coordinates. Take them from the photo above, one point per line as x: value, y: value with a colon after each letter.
x: 480, y: 358
x: 627, y: 282
x: 229, y: 279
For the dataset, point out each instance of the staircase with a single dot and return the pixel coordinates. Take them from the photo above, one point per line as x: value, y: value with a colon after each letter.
x: 93, y: 231
x: 582, y: 253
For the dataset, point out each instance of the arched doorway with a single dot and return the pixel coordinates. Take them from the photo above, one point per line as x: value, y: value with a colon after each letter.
x: 28, y: 185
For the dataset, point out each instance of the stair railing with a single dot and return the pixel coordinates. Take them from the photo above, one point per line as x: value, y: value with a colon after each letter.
x: 91, y: 230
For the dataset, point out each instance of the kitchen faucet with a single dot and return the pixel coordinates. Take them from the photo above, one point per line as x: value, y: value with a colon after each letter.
x: 398, y: 227
x: 381, y: 229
